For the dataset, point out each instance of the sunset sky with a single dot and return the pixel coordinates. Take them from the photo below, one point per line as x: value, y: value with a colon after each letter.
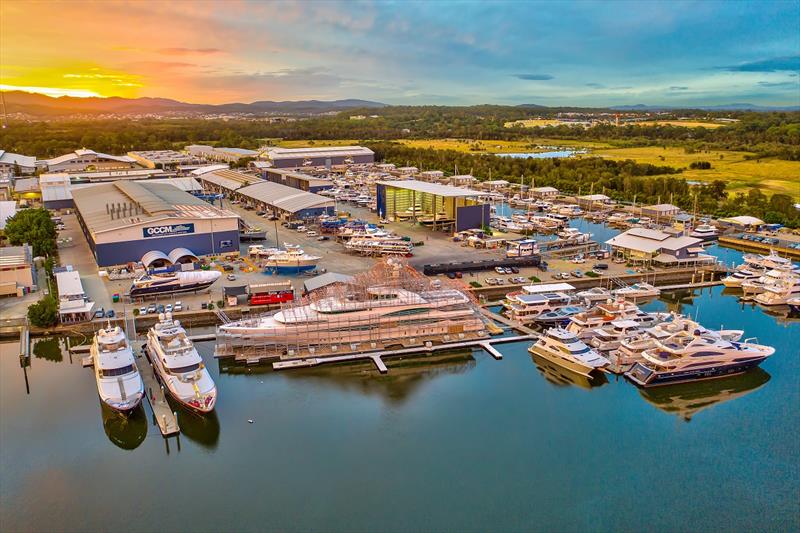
x: 568, y: 53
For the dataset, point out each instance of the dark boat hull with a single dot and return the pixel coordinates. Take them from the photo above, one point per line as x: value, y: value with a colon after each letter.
x: 645, y: 377
x: 170, y: 289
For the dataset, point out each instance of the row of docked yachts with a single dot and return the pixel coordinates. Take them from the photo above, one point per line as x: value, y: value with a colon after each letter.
x: 770, y: 280
x: 660, y: 349
x: 175, y: 360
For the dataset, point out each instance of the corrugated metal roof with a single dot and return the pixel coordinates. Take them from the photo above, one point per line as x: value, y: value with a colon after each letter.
x: 8, y: 208
x: 229, y: 179
x: 323, y: 280
x: 649, y: 241
x: 69, y: 283
x: 179, y: 253
x: 154, y: 255
x: 154, y: 201
x: 431, y: 188
x: 284, y: 197
x: 322, y: 151
x: 81, y: 153
x: 21, y: 160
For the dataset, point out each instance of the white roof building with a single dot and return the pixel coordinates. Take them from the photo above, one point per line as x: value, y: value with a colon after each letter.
x: 26, y: 164
x: 640, y: 244
x: 8, y: 208
x: 83, y: 159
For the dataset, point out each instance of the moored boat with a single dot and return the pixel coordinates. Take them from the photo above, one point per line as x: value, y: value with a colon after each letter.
x: 561, y: 347
x: 118, y: 381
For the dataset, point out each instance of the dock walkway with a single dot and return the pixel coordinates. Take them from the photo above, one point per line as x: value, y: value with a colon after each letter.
x: 165, y: 417
x: 377, y: 357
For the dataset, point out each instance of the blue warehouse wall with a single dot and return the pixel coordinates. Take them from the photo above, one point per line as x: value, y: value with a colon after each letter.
x: 472, y: 217
x: 381, y: 192
x: 119, y: 253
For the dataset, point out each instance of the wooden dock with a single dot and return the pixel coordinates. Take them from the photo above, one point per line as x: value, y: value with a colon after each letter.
x: 156, y: 396
x: 377, y: 357
x: 507, y: 321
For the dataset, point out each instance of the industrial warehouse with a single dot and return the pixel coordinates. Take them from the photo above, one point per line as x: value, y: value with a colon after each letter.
x: 124, y: 221
x: 304, y: 182
x: 283, y: 201
x: 431, y: 204
x: 318, y: 157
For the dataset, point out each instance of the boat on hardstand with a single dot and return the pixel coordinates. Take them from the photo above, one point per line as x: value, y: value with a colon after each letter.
x: 118, y: 381
x: 685, y: 356
x: 390, y: 304
x: 178, y: 365
x: 561, y: 347
x: 172, y: 282
x: 290, y: 261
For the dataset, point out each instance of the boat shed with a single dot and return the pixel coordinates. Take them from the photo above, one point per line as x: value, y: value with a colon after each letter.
x: 285, y: 202
x: 122, y: 221
x: 662, y: 211
x: 56, y: 191
x: 304, y: 182
x: 326, y: 156
x: 223, y: 180
x: 544, y: 193
x: 743, y: 222
x: 444, y: 206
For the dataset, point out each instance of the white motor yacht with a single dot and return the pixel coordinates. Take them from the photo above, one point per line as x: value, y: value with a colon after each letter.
x: 561, y: 347
x: 610, y: 336
x: 780, y: 293
x: 600, y: 315
x: 637, y: 291
x: 118, y: 381
x: 774, y: 277
x: 742, y: 274
x: 595, y: 294
x: 178, y: 365
x: 684, y: 357
x: 706, y: 232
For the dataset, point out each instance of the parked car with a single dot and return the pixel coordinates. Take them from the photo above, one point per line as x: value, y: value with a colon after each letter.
x: 500, y: 270
x: 311, y: 233
x: 261, y: 213
x: 178, y: 306
x: 323, y: 238
x: 143, y: 310
x: 227, y: 268
x: 160, y: 308
x: 600, y: 266
x: 231, y: 277
x: 577, y: 273
x: 151, y: 308
x: 300, y: 228
x: 451, y: 275
x: 100, y: 313
x: 514, y: 270
x: 459, y: 275
x: 489, y: 281
x: 168, y: 308
x: 110, y: 313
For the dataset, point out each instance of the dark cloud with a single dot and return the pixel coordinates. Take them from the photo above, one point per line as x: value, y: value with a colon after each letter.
x: 774, y: 64
x: 534, y: 77
x: 188, y: 51
x: 678, y: 88
x: 596, y: 85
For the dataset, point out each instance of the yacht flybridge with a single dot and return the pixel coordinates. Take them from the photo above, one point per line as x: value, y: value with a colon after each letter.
x: 118, y: 381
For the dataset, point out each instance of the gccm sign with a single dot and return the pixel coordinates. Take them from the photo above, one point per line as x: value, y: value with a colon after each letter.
x: 166, y: 231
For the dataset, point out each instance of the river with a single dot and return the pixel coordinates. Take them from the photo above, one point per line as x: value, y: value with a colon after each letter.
x: 460, y: 443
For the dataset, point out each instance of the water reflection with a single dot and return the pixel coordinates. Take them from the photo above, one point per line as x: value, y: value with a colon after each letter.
x: 201, y: 429
x: 126, y: 432
x: 561, y: 377
x: 688, y: 399
x: 406, y: 374
x: 48, y: 348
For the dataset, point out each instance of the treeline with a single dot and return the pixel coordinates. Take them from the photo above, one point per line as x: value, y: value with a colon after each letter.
x: 626, y: 181
x: 765, y: 134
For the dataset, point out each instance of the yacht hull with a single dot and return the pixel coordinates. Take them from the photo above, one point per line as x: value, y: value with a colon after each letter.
x: 572, y: 366
x: 646, y: 377
x: 169, y: 289
x: 293, y: 269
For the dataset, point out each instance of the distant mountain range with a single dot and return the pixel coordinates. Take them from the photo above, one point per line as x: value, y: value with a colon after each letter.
x: 42, y: 105
x: 722, y: 107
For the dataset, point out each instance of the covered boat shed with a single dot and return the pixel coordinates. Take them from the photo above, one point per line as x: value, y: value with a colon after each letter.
x: 285, y: 202
x: 456, y: 208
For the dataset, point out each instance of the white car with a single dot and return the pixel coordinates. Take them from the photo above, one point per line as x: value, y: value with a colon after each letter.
x: 311, y: 233
x: 301, y: 228
x: 178, y: 306
x: 168, y: 308
x: 143, y: 310
x: 500, y: 270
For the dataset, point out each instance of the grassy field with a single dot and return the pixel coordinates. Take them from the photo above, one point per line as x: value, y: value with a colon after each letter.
x: 683, y: 123
x: 770, y: 175
x: 499, y: 147
x: 315, y: 142
x: 532, y: 123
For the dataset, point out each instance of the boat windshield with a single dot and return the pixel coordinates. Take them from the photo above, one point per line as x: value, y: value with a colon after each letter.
x: 184, y: 369
x: 113, y: 372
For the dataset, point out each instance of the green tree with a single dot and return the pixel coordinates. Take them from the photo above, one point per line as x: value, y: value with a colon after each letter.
x: 33, y: 226
x: 44, y: 313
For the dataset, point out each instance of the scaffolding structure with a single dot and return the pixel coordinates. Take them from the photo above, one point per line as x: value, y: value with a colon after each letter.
x: 352, y: 318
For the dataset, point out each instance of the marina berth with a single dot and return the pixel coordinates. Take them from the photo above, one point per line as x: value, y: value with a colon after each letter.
x: 742, y: 274
x: 533, y: 301
x: 564, y: 349
x: 686, y: 356
x: 178, y: 365
x: 118, y: 381
x: 772, y: 278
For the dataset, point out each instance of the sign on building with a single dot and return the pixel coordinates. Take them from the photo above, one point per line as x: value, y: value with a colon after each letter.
x: 167, y: 230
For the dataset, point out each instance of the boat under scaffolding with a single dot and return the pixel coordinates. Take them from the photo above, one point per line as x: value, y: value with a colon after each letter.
x: 390, y: 305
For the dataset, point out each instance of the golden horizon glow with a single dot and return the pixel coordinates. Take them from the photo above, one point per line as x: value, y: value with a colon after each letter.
x: 55, y: 92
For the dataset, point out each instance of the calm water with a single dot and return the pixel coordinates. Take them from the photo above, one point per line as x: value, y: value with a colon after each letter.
x: 460, y: 443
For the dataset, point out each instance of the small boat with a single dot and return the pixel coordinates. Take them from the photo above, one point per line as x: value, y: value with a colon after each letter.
x: 292, y: 260
x: 705, y: 232
x: 740, y: 275
x: 685, y: 357
x: 774, y: 277
x: 178, y: 365
x: 595, y: 294
x: 173, y: 282
x: 560, y: 316
x: 637, y: 291
x: 780, y: 293
x: 561, y: 347
x: 118, y: 381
